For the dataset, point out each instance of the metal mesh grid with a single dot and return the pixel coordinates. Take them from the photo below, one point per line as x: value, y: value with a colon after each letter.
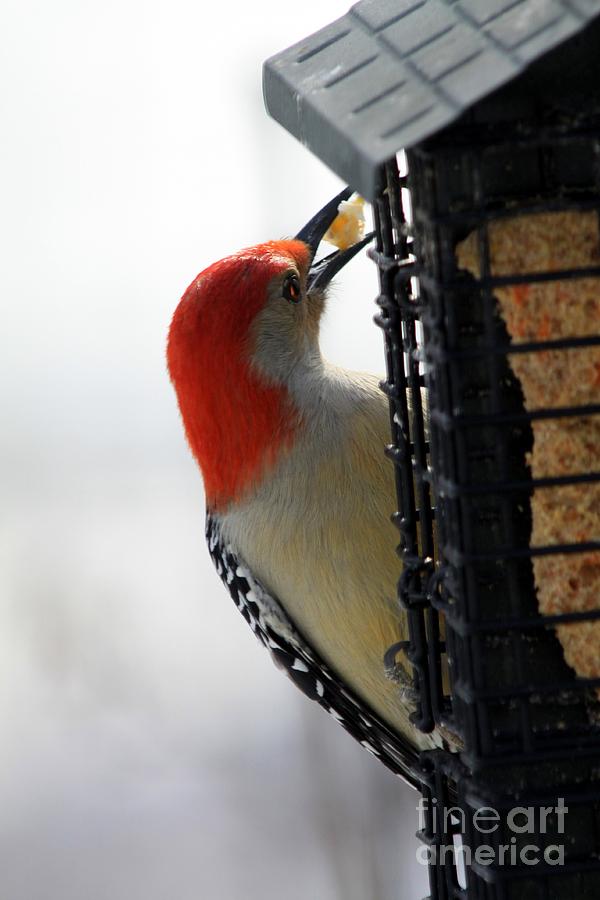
x: 481, y: 432
x: 487, y: 664
x: 409, y: 449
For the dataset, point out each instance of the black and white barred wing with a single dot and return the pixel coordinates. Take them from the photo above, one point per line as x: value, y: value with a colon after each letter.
x: 290, y: 651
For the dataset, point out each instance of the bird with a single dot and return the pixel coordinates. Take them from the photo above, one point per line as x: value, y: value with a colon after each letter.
x: 299, y: 492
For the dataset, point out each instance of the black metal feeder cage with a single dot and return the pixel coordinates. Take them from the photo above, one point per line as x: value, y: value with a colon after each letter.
x: 488, y: 253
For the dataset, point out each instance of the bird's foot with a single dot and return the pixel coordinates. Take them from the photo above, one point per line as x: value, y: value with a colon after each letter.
x: 397, y: 673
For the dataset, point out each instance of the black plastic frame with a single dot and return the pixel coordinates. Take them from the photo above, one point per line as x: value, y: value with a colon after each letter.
x: 486, y: 664
x: 409, y: 449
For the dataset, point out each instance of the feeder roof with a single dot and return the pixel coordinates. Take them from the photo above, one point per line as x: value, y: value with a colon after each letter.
x: 391, y: 73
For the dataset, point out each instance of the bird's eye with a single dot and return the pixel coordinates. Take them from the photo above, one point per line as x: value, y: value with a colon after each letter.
x: 291, y: 288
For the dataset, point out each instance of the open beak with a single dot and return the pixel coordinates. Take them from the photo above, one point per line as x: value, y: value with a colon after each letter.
x: 321, y: 272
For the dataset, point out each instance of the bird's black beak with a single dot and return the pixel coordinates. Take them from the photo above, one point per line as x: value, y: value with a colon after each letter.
x: 321, y: 272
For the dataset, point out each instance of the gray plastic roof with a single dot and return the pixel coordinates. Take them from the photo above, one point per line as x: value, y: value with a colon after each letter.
x: 390, y: 73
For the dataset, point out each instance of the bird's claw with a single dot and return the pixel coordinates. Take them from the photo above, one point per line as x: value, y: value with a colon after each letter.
x: 397, y: 673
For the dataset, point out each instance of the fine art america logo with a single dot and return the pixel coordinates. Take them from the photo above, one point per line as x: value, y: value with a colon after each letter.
x: 518, y: 822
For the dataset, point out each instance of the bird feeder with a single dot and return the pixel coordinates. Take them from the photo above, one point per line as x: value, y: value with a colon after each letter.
x: 488, y: 254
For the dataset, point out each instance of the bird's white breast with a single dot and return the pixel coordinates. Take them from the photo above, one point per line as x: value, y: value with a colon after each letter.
x: 317, y: 533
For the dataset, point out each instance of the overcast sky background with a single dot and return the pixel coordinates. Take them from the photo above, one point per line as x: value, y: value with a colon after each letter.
x: 148, y: 747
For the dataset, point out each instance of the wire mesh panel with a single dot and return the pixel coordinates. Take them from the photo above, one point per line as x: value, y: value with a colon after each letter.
x: 400, y: 318
x: 409, y: 449
x: 505, y: 323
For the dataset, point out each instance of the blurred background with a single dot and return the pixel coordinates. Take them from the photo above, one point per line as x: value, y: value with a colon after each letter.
x: 148, y: 747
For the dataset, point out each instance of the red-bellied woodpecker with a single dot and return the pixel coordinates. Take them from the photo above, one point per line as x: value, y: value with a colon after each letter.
x: 298, y: 490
